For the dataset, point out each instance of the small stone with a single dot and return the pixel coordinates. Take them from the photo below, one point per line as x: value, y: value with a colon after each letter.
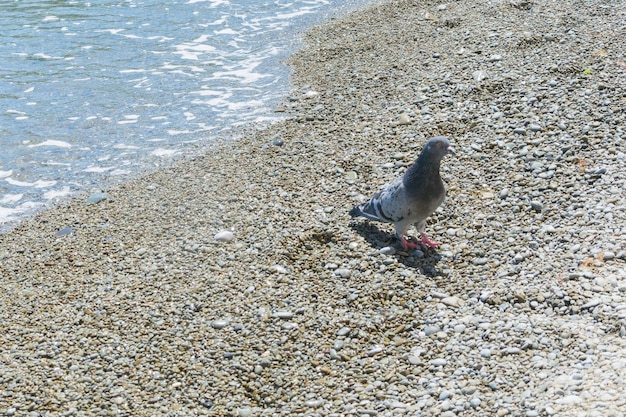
x: 452, y: 301
x: 459, y: 328
x: 428, y: 330
x: 219, y: 324
x: 278, y: 142
x: 480, y: 261
x: 95, y: 198
x: 537, y: 206
x: 534, y: 127
x: 343, y: 331
x: 224, y: 236
x: 569, y: 400
x: 244, y: 412
x: 375, y: 350
x: 504, y: 193
x: 64, y: 232
x: 519, y: 131
x: 387, y: 250
x: 475, y: 402
x: 608, y: 255
x: 404, y: 119
x: 313, y: 403
x: 493, y: 58
x: 438, y: 362
x: 480, y: 75
x: 485, y: 353
x: 285, y: 315
x: 414, y: 360
x: 343, y: 272
x: 591, y: 304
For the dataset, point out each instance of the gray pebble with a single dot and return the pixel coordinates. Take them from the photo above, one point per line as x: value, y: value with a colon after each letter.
x: 64, y: 232
x: 428, y: 330
x: 96, y: 198
x: 343, y: 272
x: 438, y: 362
x: 485, y: 353
x: 343, y: 331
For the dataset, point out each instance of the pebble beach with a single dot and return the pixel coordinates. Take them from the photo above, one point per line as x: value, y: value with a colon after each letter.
x: 234, y: 283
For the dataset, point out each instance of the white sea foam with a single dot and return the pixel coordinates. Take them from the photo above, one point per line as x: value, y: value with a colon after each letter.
x: 227, y: 31
x: 4, y: 174
x: 98, y: 169
x: 51, y: 142
x: 49, y: 195
x: 124, y: 146
x: 164, y: 152
x: 11, y: 198
x: 36, y: 184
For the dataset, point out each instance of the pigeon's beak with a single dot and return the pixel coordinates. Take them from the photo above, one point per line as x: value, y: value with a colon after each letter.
x: 451, y: 150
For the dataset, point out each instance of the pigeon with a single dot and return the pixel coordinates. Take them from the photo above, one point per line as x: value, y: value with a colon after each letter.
x: 413, y: 197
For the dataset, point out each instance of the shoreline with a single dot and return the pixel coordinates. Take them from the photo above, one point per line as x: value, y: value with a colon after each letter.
x: 520, y: 311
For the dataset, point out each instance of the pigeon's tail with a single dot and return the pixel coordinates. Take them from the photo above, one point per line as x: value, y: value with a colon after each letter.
x: 355, y: 212
x: 369, y: 211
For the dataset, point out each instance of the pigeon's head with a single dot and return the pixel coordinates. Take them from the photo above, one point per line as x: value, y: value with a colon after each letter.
x: 438, y: 147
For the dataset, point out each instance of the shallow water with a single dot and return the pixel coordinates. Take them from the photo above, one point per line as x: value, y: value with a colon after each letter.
x: 95, y: 91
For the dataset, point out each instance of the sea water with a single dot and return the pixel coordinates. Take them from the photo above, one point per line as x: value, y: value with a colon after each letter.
x: 101, y: 90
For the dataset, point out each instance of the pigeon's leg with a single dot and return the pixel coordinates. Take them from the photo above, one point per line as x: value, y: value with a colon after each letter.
x: 427, y: 242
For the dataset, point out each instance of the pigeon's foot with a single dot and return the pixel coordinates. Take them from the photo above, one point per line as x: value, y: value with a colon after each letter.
x: 408, y: 245
x: 427, y: 242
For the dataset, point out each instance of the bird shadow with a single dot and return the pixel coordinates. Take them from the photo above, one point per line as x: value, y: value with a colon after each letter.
x: 414, y: 259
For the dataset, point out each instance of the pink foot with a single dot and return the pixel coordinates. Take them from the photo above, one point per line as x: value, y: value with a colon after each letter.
x: 427, y: 242
x: 423, y: 242
x: 408, y: 245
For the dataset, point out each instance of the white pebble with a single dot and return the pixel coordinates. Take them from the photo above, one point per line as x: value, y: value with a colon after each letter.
x: 224, y: 236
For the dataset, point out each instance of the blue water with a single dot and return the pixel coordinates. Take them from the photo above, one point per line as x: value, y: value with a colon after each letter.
x: 96, y: 91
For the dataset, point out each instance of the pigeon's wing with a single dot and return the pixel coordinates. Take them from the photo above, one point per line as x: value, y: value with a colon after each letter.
x: 389, y: 205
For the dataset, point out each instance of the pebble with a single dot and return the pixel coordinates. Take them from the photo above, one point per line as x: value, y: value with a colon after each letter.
x: 404, y: 119
x: 387, y: 250
x: 452, y: 301
x: 344, y: 331
x: 96, y: 198
x: 219, y: 324
x: 224, y: 236
x: 485, y: 353
x: 244, y: 412
x: 438, y: 362
x: 64, y: 231
x: 429, y: 330
x: 285, y: 315
x: 343, y: 272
